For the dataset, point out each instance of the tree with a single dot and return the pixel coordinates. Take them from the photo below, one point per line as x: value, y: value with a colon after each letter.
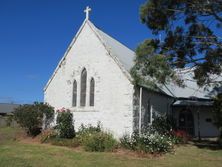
x: 217, y: 111
x: 30, y: 116
x: 190, y: 41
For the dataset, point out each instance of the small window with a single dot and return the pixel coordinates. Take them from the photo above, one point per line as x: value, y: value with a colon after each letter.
x: 74, y: 96
x: 146, y: 116
x: 208, y: 120
x: 92, y: 89
x: 149, y: 112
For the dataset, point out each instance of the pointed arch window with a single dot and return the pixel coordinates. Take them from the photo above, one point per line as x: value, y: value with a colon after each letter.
x: 74, y: 95
x: 92, y: 90
x: 83, y: 88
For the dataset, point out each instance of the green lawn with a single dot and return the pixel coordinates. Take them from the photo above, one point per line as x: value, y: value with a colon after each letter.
x: 17, y: 153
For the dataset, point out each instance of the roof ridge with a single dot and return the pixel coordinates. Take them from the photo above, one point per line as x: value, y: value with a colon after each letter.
x: 113, y: 38
x: 9, y: 103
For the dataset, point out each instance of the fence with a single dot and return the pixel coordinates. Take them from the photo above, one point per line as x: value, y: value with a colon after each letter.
x: 7, y: 121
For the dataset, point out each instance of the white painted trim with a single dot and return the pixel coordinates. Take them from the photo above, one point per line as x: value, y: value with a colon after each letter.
x: 84, y: 109
x: 151, y: 115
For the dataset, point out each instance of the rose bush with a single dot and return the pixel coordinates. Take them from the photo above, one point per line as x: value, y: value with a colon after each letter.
x: 64, y: 123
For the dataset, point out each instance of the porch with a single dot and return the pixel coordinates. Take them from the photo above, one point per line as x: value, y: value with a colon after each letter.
x: 195, y: 117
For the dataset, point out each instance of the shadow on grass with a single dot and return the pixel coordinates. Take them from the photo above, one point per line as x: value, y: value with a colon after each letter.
x: 207, y: 144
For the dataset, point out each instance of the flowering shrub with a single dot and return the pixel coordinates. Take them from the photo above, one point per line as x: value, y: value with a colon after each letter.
x: 180, y: 136
x: 65, y: 123
x: 156, y: 138
x: 127, y: 141
x: 148, y: 143
x: 155, y: 143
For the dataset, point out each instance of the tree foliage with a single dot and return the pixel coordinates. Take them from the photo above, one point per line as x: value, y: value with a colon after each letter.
x: 190, y: 41
x: 30, y: 116
x: 217, y: 111
x: 151, y: 68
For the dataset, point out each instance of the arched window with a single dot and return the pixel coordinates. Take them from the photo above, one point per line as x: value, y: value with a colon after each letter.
x: 83, y: 88
x: 92, y: 89
x: 74, y: 95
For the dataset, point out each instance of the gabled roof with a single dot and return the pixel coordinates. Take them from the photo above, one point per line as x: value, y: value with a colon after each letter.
x: 123, y: 56
x: 7, y: 107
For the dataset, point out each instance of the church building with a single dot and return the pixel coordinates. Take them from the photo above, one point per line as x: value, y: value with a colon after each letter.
x: 93, y: 81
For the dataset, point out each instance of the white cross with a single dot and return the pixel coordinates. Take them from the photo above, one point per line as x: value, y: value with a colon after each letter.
x: 87, y: 10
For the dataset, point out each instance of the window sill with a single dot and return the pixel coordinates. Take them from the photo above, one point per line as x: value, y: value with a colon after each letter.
x: 83, y: 109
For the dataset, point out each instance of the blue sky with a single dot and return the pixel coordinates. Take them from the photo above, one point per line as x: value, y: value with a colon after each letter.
x: 34, y: 35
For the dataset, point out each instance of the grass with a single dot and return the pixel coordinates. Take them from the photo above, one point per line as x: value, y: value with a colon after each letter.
x: 15, y: 153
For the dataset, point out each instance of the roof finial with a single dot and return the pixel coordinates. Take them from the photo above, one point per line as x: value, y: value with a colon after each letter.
x: 87, y: 10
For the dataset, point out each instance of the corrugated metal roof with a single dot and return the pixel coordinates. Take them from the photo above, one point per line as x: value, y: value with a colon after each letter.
x: 123, y: 53
x: 7, y: 107
x: 191, y: 88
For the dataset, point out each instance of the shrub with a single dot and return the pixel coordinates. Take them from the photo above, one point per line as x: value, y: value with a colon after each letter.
x: 85, y: 129
x: 51, y: 136
x: 180, y: 136
x: 162, y: 125
x: 30, y: 116
x: 156, y: 138
x: 94, y: 139
x: 99, y: 141
x: 219, y: 140
x: 64, y: 142
x: 217, y: 112
x: 65, y: 124
x: 9, y: 120
x: 156, y: 143
x: 126, y: 142
x: 47, y: 135
x: 148, y: 143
